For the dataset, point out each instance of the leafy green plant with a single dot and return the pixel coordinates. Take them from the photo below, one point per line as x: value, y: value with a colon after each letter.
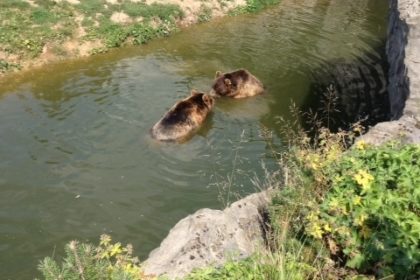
x: 142, y: 33
x: 92, y: 6
x: 253, y: 6
x: 14, y: 4
x: 7, y: 66
x: 113, y: 34
x: 85, y: 261
x: 258, y: 267
x: 257, y: 5
x: 167, y: 12
x: 41, y: 15
x: 205, y: 14
x: 371, y: 213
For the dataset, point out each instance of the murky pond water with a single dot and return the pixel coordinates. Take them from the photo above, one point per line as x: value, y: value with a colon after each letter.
x: 76, y: 157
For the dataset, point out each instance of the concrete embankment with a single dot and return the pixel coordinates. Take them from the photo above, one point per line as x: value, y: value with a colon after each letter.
x: 403, y: 52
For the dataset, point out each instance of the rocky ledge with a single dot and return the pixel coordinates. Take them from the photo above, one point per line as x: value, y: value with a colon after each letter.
x: 403, y: 51
x: 211, y: 237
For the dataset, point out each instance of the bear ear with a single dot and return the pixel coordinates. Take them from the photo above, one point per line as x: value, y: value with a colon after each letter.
x: 208, y: 100
x: 218, y: 74
x: 228, y: 82
x: 194, y: 92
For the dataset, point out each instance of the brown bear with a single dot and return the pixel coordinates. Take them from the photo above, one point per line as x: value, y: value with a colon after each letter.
x: 237, y: 84
x: 184, y: 118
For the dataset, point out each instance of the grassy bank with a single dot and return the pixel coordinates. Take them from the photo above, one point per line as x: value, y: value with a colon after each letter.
x: 40, y: 31
x: 342, y: 214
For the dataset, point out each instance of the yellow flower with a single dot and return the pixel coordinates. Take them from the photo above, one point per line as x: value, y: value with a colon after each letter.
x: 364, y: 179
x: 104, y: 255
x: 357, y: 200
x: 313, y: 216
x: 333, y: 153
x: 361, y: 219
x: 316, y: 231
x: 313, y: 162
x: 361, y: 145
x: 327, y: 228
x: 115, y: 249
x: 314, y: 166
x: 131, y: 269
x: 343, y: 231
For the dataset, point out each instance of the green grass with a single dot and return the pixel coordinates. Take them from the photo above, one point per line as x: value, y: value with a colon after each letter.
x: 7, y: 66
x: 26, y: 29
x: 253, y: 6
x: 205, y: 14
x: 166, y: 12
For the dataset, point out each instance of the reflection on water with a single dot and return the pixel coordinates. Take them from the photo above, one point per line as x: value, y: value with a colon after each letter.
x: 77, y: 159
x: 345, y: 93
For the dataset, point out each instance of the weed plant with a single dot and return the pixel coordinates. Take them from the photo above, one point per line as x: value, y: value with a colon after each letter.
x: 370, y: 215
x: 253, y: 6
x: 107, y: 261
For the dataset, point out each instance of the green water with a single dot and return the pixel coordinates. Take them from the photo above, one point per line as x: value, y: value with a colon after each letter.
x: 76, y: 157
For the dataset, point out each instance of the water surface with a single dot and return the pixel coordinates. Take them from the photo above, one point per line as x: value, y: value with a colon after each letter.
x: 76, y: 157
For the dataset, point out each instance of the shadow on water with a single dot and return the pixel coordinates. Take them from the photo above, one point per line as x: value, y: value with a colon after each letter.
x: 343, y: 93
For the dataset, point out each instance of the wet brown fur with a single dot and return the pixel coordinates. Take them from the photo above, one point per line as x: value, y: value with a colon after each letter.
x: 184, y: 118
x: 237, y: 84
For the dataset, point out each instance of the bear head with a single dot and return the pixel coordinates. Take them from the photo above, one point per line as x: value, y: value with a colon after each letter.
x: 223, y: 85
x: 203, y: 98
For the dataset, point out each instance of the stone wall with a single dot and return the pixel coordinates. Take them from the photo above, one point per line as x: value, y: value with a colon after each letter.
x: 403, y: 51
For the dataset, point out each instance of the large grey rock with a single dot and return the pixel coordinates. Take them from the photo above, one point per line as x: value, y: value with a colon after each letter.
x: 405, y: 130
x: 210, y: 237
x: 403, y: 51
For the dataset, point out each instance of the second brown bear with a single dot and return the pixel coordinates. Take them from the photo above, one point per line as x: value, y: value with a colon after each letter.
x: 237, y: 84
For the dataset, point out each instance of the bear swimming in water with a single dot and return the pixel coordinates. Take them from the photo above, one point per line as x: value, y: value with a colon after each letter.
x: 184, y: 118
x: 236, y: 84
